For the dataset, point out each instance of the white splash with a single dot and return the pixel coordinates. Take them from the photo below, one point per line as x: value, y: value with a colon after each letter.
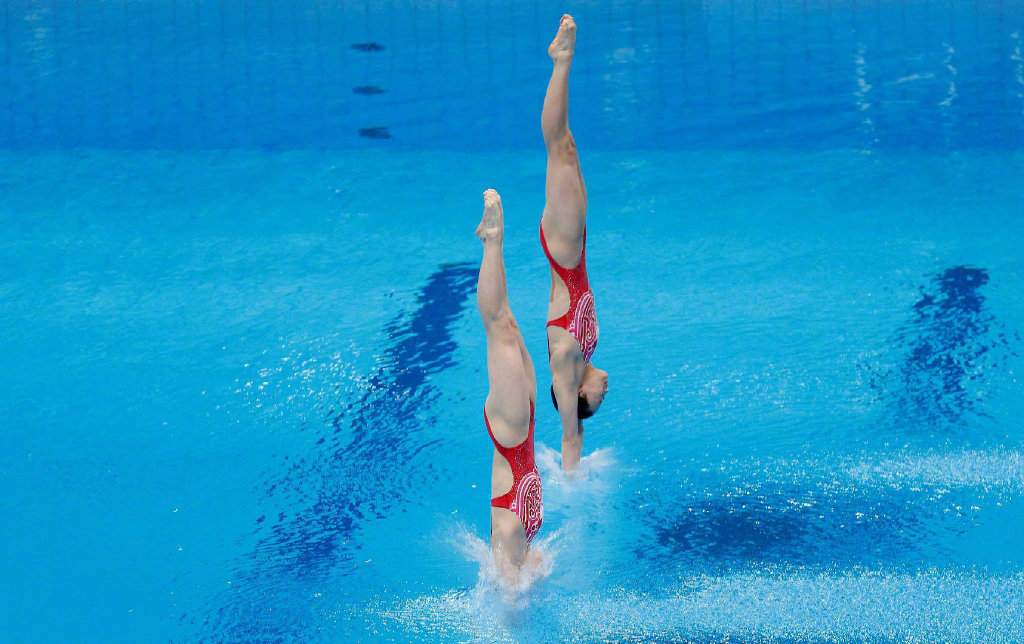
x: 490, y: 581
x: 487, y: 611
x: 591, y: 467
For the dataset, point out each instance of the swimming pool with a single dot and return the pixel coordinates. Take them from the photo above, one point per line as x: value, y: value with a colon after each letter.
x: 243, y: 369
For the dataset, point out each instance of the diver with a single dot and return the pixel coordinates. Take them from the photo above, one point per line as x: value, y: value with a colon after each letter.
x: 517, y: 509
x: 578, y: 387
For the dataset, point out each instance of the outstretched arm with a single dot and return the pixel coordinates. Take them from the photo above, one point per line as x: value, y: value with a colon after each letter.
x: 565, y: 383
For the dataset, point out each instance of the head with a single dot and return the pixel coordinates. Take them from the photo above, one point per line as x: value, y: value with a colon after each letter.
x: 592, y: 389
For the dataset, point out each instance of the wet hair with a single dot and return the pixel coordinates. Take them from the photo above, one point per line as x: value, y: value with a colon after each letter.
x: 583, y: 409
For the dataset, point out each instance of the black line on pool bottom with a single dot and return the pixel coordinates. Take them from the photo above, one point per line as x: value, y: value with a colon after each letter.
x: 367, y: 46
x: 953, y: 346
x: 351, y: 479
x: 379, y: 132
x: 369, y: 89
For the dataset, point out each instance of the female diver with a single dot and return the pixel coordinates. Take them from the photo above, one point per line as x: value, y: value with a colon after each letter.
x: 578, y: 387
x: 516, y: 505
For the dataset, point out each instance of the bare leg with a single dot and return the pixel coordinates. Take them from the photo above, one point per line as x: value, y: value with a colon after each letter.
x: 554, y: 119
x: 510, y: 373
x: 566, y: 210
x: 492, y: 289
x: 509, y: 397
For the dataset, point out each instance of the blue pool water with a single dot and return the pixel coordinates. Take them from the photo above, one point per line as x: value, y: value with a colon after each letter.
x: 243, y: 372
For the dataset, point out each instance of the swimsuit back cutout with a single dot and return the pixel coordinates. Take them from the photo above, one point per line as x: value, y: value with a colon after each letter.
x: 581, y: 318
x: 524, y: 499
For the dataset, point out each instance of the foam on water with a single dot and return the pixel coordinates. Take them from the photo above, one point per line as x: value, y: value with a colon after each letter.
x: 970, y: 468
x: 994, y: 470
x: 928, y: 606
x: 763, y: 605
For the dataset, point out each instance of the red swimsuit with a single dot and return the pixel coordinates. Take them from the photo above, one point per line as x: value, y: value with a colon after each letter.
x: 524, y: 499
x: 580, y: 320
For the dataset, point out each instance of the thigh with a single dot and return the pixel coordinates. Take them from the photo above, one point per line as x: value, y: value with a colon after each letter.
x: 566, y: 209
x: 531, y: 376
x: 508, y: 401
x: 508, y: 539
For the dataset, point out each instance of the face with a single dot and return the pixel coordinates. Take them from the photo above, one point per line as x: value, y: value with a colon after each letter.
x: 594, y: 387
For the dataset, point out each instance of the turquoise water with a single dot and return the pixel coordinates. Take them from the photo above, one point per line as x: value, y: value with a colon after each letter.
x: 244, y: 372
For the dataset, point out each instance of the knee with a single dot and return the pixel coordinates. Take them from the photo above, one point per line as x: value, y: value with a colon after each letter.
x: 502, y: 324
x: 562, y: 147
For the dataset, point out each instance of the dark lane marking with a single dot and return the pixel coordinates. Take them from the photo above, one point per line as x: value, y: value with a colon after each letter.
x: 354, y: 477
x: 379, y: 132
x: 946, y: 360
x: 951, y: 348
x: 369, y: 90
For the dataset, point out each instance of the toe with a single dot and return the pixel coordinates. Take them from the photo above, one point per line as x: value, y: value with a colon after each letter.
x: 491, y: 198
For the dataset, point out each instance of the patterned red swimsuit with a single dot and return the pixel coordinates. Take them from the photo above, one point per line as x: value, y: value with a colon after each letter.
x: 524, y: 499
x: 581, y: 319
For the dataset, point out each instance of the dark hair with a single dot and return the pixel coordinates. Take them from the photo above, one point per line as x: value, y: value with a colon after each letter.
x: 583, y: 409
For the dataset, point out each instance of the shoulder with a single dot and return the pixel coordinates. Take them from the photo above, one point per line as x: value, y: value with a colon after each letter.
x: 565, y: 356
